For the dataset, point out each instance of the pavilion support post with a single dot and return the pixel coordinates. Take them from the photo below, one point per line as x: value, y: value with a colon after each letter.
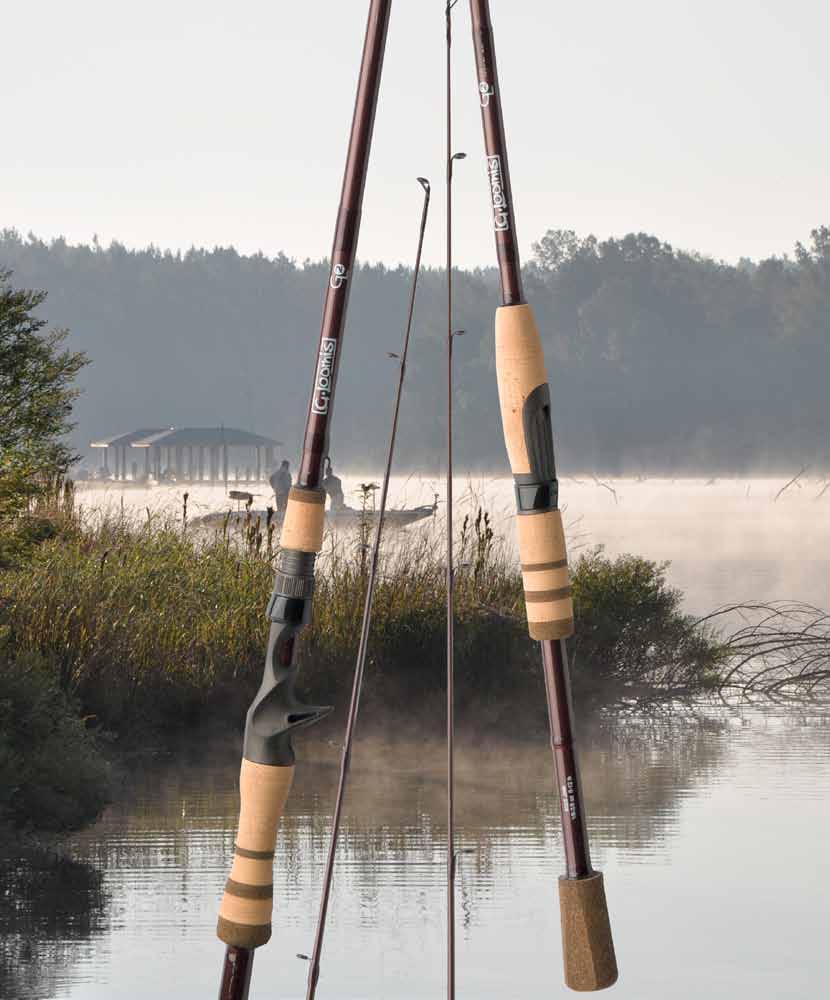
x: 190, y: 469
x: 201, y: 463
x: 178, y: 468
x: 258, y: 463
x: 269, y: 459
x: 224, y: 463
x: 146, y: 462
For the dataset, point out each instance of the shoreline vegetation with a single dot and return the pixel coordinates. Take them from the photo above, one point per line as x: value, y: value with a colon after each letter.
x: 123, y: 633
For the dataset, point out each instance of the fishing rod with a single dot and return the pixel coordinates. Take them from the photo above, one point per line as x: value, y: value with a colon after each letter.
x: 524, y: 398
x: 357, y: 683
x: 451, y: 335
x: 268, y: 756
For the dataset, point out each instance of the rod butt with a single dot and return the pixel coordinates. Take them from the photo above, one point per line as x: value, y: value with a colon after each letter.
x: 587, y: 945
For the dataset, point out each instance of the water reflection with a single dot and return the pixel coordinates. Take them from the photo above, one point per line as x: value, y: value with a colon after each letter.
x: 684, y: 812
x: 50, y: 905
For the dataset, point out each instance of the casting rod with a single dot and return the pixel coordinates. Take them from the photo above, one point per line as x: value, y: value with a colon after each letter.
x: 268, y: 756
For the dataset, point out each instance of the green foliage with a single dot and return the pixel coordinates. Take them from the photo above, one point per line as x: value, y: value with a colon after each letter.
x: 150, y: 627
x: 138, y: 623
x: 36, y: 394
x: 631, y: 635
x: 52, y: 777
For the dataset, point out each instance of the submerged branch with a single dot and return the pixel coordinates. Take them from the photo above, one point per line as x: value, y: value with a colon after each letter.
x: 781, y: 649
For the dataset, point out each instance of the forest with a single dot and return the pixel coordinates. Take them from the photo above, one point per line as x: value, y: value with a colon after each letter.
x: 662, y: 361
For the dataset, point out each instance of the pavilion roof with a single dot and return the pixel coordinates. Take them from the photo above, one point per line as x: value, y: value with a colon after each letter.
x: 207, y: 437
x: 186, y: 437
x: 127, y: 440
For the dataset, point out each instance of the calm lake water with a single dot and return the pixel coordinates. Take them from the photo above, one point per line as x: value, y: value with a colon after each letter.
x: 712, y: 834
x: 712, y: 831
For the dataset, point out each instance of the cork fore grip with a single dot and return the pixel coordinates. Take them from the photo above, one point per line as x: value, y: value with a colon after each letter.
x: 545, y: 576
x: 520, y: 368
x: 587, y: 944
x: 245, y: 910
x: 524, y: 401
x: 302, y: 526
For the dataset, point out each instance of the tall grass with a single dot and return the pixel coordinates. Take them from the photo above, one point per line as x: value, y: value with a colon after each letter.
x: 157, y: 624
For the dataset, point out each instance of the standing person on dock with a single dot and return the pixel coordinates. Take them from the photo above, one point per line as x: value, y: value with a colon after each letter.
x: 281, y: 484
x: 333, y: 487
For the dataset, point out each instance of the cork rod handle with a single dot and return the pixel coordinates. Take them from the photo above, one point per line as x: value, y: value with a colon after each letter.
x: 245, y: 911
x: 525, y: 412
x: 302, y: 526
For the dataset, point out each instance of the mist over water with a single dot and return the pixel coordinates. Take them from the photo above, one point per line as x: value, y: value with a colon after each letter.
x: 728, y: 540
x: 709, y: 824
x: 682, y: 812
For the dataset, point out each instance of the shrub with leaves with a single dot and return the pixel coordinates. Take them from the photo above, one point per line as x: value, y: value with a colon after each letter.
x: 36, y: 393
x: 52, y: 776
x: 631, y: 634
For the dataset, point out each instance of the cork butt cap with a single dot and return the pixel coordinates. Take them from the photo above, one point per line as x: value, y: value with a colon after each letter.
x: 587, y: 945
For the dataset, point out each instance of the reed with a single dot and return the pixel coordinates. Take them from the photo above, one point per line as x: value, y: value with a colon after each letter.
x: 154, y: 623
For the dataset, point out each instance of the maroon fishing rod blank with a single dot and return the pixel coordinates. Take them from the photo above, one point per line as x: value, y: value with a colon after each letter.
x: 524, y: 397
x: 268, y: 756
x: 451, y: 158
x: 360, y: 665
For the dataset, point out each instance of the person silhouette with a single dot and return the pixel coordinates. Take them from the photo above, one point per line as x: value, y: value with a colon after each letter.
x: 334, y: 487
x: 280, y: 481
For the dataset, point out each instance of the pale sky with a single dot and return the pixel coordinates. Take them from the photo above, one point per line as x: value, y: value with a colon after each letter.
x: 183, y: 122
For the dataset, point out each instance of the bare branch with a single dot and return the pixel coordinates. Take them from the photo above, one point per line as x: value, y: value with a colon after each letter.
x: 792, y: 482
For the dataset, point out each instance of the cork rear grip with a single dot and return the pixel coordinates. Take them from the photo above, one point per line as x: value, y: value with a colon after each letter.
x: 302, y: 527
x: 245, y: 911
x: 545, y: 575
x: 520, y: 368
x: 587, y: 944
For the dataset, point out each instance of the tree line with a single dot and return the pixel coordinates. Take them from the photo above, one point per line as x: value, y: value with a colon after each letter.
x: 661, y: 360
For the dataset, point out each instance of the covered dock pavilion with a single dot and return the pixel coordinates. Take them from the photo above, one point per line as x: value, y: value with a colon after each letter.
x: 190, y: 454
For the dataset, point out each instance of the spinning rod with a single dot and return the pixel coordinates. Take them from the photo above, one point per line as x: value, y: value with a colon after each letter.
x: 524, y: 397
x: 357, y: 684
x: 268, y: 756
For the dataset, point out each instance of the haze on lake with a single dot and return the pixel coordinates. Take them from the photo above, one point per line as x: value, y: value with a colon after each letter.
x: 711, y: 832
x: 727, y: 540
x: 170, y: 185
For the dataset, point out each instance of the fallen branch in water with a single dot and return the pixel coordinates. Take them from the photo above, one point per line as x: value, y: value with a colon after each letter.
x: 782, y: 650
